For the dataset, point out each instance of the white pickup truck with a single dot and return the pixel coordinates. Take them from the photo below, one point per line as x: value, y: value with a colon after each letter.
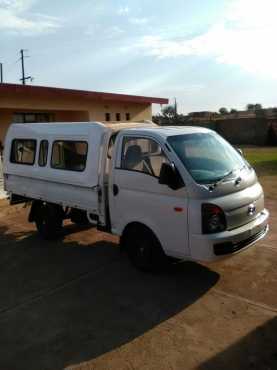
x: 181, y: 192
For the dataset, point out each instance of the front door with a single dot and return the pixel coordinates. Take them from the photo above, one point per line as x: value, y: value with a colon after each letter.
x: 137, y: 196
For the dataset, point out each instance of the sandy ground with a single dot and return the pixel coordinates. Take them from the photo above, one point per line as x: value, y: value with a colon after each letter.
x: 77, y: 303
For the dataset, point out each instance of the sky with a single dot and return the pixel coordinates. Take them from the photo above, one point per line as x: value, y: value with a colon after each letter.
x: 206, y: 54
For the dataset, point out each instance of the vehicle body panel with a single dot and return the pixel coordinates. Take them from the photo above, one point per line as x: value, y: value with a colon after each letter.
x: 143, y: 200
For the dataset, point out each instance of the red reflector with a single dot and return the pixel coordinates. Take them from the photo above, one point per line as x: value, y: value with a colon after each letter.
x: 178, y: 209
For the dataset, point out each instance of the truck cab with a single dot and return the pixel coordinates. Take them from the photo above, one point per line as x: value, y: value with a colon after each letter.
x: 192, y: 189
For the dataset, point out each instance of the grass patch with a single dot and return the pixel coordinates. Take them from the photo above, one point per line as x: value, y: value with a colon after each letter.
x: 264, y: 160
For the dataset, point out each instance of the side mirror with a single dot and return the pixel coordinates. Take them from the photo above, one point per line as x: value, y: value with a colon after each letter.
x: 239, y: 151
x: 170, y: 176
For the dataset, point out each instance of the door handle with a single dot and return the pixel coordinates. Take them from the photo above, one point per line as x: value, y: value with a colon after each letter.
x: 115, y: 190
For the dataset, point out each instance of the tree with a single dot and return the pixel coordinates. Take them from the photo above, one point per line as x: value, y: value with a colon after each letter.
x: 250, y: 107
x: 233, y: 110
x: 254, y: 107
x: 258, y: 107
x: 223, y: 110
x: 170, y: 116
x: 169, y: 111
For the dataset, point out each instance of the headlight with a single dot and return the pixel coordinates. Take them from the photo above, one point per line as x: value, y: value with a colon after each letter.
x: 213, y: 219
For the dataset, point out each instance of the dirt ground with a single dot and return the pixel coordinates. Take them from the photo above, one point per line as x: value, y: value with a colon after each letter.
x: 78, y: 304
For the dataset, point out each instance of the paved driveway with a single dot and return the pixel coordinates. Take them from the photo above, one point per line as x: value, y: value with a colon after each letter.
x: 78, y: 304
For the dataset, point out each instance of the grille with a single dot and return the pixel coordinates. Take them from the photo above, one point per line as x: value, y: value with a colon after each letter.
x: 229, y: 247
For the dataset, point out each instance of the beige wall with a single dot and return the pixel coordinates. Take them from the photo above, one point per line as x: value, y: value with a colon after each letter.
x: 97, y: 109
x: 69, y: 116
x: 138, y: 112
x: 6, y: 117
x: 5, y: 120
x: 70, y: 109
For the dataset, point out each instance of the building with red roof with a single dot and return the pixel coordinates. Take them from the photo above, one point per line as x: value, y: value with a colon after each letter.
x: 27, y: 104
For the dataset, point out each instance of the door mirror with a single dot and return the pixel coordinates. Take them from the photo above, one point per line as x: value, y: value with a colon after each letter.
x: 170, y: 176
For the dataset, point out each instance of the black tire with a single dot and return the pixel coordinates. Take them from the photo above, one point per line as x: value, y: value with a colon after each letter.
x: 144, y: 249
x: 79, y: 217
x: 49, y: 221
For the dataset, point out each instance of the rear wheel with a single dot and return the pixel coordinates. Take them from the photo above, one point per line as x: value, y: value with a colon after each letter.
x: 79, y: 217
x: 49, y: 221
x: 144, y: 249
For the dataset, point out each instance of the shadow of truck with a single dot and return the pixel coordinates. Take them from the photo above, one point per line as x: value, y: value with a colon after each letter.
x: 64, y: 304
x: 256, y: 351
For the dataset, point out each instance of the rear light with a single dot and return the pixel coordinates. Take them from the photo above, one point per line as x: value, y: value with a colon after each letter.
x: 213, y: 219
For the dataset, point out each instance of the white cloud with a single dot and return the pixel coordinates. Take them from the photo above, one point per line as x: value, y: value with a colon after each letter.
x: 252, y: 13
x: 138, y: 21
x: 16, y: 5
x: 96, y: 30
x: 244, y: 38
x: 123, y: 10
x: 15, y: 16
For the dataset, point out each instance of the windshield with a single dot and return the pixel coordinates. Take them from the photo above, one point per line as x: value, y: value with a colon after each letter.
x: 207, y: 156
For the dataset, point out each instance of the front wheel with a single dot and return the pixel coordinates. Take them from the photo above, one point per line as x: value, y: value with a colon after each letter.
x: 144, y: 249
x: 49, y: 221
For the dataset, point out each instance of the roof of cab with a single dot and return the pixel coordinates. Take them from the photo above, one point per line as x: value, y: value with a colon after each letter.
x: 118, y: 126
x: 166, y: 131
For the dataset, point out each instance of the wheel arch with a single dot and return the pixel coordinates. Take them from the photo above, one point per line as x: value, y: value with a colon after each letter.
x: 137, y: 225
x: 38, y: 204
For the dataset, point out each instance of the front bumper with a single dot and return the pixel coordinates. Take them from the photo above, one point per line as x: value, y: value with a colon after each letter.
x: 215, y: 246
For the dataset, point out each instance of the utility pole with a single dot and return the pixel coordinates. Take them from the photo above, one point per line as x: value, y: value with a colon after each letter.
x: 23, y: 79
x: 1, y: 73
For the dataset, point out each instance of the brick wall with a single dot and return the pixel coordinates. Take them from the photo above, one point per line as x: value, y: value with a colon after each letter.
x: 244, y: 131
x: 247, y: 131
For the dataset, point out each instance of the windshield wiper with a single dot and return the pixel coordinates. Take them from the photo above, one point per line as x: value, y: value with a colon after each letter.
x: 221, y: 179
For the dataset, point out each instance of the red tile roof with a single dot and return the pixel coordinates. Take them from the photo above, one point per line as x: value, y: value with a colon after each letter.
x: 54, y: 92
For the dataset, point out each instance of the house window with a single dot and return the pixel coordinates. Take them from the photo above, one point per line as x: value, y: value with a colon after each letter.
x: 23, y: 151
x: 127, y: 116
x: 69, y: 155
x: 29, y: 117
x: 108, y: 117
x: 43, y: 153
x: 118, y: 117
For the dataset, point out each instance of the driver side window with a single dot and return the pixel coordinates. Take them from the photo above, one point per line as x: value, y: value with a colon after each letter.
x: 142, y: 155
